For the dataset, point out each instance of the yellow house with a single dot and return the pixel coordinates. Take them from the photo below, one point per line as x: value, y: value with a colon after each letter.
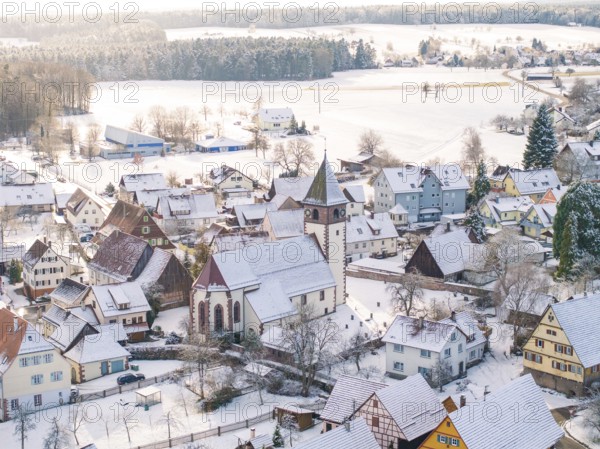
x: 474, y: 427
x: 539, y: 220
x: 533, y: 183
x: 33, y: 374
x: 504, y: 211
x: 559, y: 353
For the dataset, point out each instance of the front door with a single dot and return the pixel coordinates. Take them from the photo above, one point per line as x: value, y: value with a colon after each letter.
x: 104, y: 368
x: 461, y: 368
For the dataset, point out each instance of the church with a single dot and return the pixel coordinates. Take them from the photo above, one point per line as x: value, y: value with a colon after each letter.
x: 263, y: 285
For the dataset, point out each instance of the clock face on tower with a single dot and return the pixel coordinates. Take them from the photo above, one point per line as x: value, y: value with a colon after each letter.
x: 307, y: 212
x: 343, y: 213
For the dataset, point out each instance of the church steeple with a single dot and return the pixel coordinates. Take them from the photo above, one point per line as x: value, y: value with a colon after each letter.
x: 325, y: 190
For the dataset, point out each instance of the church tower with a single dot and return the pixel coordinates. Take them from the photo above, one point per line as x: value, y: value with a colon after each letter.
x: 325, y: 216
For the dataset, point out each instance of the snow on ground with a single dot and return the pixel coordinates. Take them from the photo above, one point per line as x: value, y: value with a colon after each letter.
x: 149, y: 368
x: 169, y: 320
x: 104, y: 426
x: 578, y: 427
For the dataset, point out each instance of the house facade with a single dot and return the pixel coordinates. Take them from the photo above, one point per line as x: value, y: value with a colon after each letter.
x: 356, y: 200
x: 177, y: 214
x: 532, y: 183
x: 43, y: 269
x: 33, y: 374
x: 538, y: 221
x: 83, y: 210
x: 558, y: 354
x: 426, y: 193
x: 501, y: 212
x: 275, y: 119
x: 435, y: 350
x: 370, y: 236
x: 129, y: 184
x: 230, y: 182
x: 580, y: 160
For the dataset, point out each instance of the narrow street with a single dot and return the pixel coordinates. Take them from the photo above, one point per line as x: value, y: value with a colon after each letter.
x: 561, y: 415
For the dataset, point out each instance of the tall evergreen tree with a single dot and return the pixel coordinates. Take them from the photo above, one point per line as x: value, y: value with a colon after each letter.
x: 481, y: 186
x: 577, y: 230
x: 277, y: 437
x: 541, y: 141
x: 475, y: 221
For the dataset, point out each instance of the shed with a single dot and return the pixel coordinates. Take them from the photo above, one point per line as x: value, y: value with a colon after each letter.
x: 304, y: 417
x: 148, y: 396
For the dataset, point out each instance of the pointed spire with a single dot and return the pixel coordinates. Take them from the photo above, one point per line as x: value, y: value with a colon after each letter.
x: 325, y: 189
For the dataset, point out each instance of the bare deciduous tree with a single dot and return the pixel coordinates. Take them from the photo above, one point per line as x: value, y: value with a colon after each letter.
x: 473, y: 151
x: 526, y: 285
x: 406, y: 297
x: 198, y: 355
x: 138, y: 123
x: 57, y: 437
x: 370, y: 142
x: 290, y: 424
x: 171, y: 179
x: 93, y: 135
x: 158, y: 117
x: 254, y: 352
x: 170, y: 421
x: 296, y: 157
x: 308, y: 341
x: 24, y: 420
x: 355, y: 348
x: 77, y: 418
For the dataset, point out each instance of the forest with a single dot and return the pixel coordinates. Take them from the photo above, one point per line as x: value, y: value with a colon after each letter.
x: 223, y: 59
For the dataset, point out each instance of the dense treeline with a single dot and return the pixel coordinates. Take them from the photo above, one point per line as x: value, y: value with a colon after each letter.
x: 33, y: 93
x: 225, y: 59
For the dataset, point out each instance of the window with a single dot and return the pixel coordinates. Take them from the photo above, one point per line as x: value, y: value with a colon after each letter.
x: 218, y: 318
x: 425, y: 353
x: 145, y: 230
x: 398, y: 348
x: 423, y: 371
x: 14, y: 404
x: 460, y: 348
x: 454, y: 442
x: 37, y: 379
x: 539, y: 343
x: 472, y: 355
x: 398, y: 366
x: 56, y: 376
x: 453, y: 336
x: 568, y: 350
x: 447, y: 352
x: 303, y: 300
x: 145, y: 219
x: 322, y: 295
x: 375, y: 421
x: 375, y: 403
x: 315, y: 214
x: 442, y: 439
x: 236, y: 312
x: 23, y: 362
x: 37, y: 400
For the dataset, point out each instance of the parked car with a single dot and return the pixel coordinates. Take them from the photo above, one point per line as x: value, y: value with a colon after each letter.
x: 129, y: 378
x: 86, y: 238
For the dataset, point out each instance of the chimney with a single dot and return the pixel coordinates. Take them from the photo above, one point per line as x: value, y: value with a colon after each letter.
x: 497, y: 199
x: 347, y: 425
x: 44, y: 240
x: 252, y: 433
x: 453, y: 316
x: 558, y: 187
x: 463, y: 400
x: 421, y: 322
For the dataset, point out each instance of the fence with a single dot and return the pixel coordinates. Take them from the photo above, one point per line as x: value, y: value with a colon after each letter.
x: 127, y: 387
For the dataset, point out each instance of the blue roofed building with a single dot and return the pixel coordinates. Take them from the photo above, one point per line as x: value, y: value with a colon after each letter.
x: 121, y: 143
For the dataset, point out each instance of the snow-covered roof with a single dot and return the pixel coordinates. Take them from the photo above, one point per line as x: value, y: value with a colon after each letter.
x: 286, y: 223
x: 469, y: 326
x: 407, y: 331
x: 143, y: 181
x: 363, y: 228
x: 117, y: 299
x: 359, y: 436
x: 410, y: 178
x: 500, y: 205
x: 398, y: 209
x: 295, y: 188
x: 220, y: 142
x: 118, y: 255
x: 149, y: 198
x: 252, y: 212
x: 580, y: 320
x: 348, y: 394
x: 62, y: 199
x: 155, y: 267
x: 69, y: 292
x: 282, y: 262
x: 505, y: 431
x: 450, y: 250
x: 235, y: 241
x: 69, y: 326
x: 546, y: 213
x: 413, y: 405
x: 536, y: 181
x: 355, y: 194
x: 11, y: 173
x: 35, y: 253
x: 325, y: 189
x: 96, y: 348
x: 270, y: 302
x: 129, y: 137
x: 39, y: 194
x: 187, y: 207
x: 275, y: 115
x: 24, y: 340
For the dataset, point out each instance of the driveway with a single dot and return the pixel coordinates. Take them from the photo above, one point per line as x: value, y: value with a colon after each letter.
x: 561, y: 415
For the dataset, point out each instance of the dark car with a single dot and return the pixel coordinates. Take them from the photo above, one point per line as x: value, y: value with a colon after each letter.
x: 129, y: 378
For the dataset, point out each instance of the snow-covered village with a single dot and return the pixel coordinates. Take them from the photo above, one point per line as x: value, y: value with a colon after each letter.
x: 255, y: 226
